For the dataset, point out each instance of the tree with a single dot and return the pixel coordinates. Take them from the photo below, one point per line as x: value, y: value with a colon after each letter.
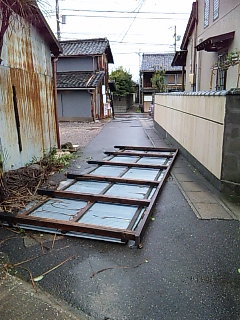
x: 158, y: 80
x: 123, y: 81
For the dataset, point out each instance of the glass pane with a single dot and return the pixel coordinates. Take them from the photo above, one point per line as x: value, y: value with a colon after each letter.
x: 109, y: 215
x: 59, y: 209
x: 93, y: 187
x: 109, y: 171
x: 142, y: 174
x: 215, y: 9
x: 130, y: 159
x: 128, y: 191
x: 206, y: 13
x: 146, y: 160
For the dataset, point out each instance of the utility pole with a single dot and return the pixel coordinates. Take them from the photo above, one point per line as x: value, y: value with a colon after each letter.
x: 139, y: 84
x: 175, y: 38
x: 58, y: 20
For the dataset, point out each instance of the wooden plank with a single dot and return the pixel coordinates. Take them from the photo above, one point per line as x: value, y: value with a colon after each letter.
x: 136, y: 215
x: 90, y: 204
x: 128, y: 164
x: 69, y: 226
x: 93, y: 198
x: 134, y: 218
x: 83, y: 177
x: 82, y: 211
x: 147, y: 214
x: 146, y: 148
x: 34, y: 207
x: 138, y: 154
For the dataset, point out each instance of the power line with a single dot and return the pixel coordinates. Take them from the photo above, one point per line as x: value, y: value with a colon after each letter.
x: 137, y: 52
x: 114, y: 42
x: 138, y: 9
x: 127, y: 42
x: 116, y: 11
x: 117, y: 53
x: 116, y: 17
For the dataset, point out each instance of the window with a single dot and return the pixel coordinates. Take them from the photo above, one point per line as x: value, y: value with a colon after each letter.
x: 206, y: 12
x: 171, y: 79
x: 215, y: 9
x: 221, y: 72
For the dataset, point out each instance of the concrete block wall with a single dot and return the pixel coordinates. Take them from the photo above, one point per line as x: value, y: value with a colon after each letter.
x: 206, y: 125
x: 122, y: 103
x: 231, y: 145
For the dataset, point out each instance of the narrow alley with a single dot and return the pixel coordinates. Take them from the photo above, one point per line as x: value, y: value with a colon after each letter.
x: 187, y: 268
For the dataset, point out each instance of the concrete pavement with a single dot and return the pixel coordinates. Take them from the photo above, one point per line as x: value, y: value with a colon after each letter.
x: 19, y: 300
x: 187, y: 269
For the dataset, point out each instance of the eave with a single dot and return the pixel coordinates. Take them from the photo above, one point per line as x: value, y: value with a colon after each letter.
x: 216, y: 43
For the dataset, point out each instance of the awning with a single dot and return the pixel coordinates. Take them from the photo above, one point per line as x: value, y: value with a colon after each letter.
x: 180, y: 58
x: 216, y: 43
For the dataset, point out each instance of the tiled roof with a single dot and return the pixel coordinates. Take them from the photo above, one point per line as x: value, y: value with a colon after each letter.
x: 78, y: 79
x: 87, y: 47
x: 152, y: 62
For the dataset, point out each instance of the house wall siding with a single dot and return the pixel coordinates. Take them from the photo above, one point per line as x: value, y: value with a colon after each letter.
x: 27, y: 67
x: 77, y: 64
x: 228, y: 21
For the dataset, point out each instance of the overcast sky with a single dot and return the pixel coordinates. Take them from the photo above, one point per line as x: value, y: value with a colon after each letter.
x: 133, y: 27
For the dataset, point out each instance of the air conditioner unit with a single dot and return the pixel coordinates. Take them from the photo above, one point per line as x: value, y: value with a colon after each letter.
x: 191, y: 78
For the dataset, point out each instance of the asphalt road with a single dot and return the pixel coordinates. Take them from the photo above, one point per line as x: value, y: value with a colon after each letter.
x: 187, y: 268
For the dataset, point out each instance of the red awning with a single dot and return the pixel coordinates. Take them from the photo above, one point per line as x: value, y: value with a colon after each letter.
x: 216, y: 43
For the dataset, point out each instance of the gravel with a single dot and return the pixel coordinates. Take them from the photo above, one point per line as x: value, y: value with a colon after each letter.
x: 80, y: 133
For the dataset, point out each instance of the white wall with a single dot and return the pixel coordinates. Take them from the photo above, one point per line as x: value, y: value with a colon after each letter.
x: 197, y: 123
x: 228, y: 21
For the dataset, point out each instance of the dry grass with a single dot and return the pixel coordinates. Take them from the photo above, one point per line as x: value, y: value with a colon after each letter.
x: 19, y: 187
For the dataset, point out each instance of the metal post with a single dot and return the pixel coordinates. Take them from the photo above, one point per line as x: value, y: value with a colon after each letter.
x: 58, y: 20
x: 175, y: 39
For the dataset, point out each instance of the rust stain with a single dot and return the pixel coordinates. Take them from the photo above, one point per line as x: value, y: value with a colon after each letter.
x: 34, y: 101
x: 20, y: 47
x: 25, y: 67
x: 27, y: 53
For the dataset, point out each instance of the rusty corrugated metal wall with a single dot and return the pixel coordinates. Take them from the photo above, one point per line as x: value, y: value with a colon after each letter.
x: 26, y: 73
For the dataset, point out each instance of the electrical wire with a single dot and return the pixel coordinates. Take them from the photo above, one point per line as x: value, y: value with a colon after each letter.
x: 138, y: 9
x: 114, y: 42
x: 126, y: 12
x: 116, y: 17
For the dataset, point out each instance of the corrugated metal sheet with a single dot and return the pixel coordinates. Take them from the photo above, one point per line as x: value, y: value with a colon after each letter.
x: 26, y: 66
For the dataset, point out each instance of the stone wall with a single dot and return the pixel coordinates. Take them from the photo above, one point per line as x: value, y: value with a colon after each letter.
x: 122, y: 103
